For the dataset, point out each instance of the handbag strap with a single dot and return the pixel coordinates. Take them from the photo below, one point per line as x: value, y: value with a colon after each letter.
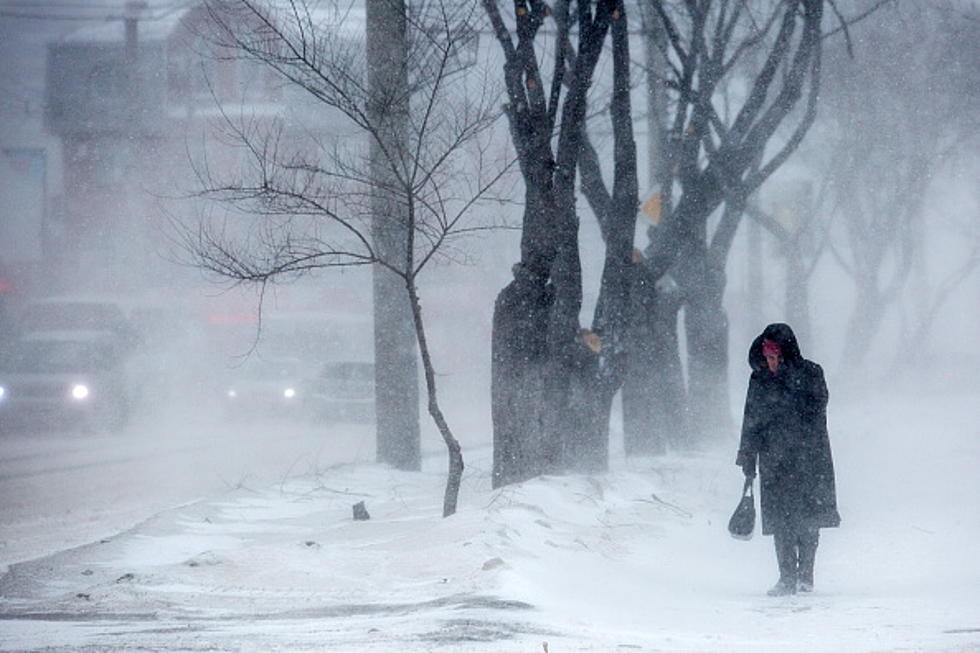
x: 747, y: 490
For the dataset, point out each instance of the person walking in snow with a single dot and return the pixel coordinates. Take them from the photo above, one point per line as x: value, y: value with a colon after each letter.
x: 784, y: 428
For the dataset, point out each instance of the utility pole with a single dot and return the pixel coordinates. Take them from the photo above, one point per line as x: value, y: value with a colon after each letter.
x: 131, y: 18
x: 130, y: 227
x: 395, y: 344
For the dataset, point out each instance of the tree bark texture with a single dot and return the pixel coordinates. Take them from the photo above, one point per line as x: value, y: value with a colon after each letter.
x: 606, y: 369
x: 518, y: 364
x: 543, y: 410
x: 655, y: 410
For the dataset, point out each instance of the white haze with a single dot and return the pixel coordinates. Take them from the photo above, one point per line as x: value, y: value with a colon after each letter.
x: 635, y: 559
x: 230, y: 536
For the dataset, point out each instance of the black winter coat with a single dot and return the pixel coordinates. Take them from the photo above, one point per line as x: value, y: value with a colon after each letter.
x: 785, y: 426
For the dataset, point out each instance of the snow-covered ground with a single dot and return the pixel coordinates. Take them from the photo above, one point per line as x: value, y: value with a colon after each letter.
x: 62, y: 489
x: 637, y: 559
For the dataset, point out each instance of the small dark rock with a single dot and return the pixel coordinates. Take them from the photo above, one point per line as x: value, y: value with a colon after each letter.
x: 360, y: 512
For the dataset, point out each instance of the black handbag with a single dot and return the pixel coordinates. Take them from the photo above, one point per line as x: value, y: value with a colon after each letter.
x: 742, y: 522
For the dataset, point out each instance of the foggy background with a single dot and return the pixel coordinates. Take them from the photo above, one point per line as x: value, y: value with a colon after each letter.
x: 87, y: 194
x: 111, y: 114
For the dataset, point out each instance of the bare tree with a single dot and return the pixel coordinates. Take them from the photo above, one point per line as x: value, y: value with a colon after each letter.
x: 902, y: 109
x: 551, y: 378
x: 719, y: 145
x: 799, y: 220
x: 600, y: 375
x: 311, y: 202
x: 654, y: 394
x: 615, y: 209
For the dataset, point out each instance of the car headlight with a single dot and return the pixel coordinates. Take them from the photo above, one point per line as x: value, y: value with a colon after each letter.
x: 79, y: 392
x: 232, y: 393
x: 289, y: 393
x: 3, y: 393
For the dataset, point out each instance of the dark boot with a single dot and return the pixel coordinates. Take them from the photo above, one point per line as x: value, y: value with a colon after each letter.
x: 788, y: 558
x: 808, y: 540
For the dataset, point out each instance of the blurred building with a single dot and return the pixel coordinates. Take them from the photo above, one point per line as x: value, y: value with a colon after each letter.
x: 132, y: 102
x: 29, y: 155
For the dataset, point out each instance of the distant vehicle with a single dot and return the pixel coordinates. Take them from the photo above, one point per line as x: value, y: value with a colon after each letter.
x: 344, y: 391
x: 76, y: 314
x: 72, y: 379
x: 337, y: 386
x: 271, y: 387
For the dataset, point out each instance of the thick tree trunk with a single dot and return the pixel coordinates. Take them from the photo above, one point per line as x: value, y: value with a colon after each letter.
x: 396, y: 361
x: 592, y: 364
x: 639, y: 412
x: 671, y: 419
x: 706, y: 326
x: 653, y: 391
x: 585, y: 418
x: 561, y: 370
x: 655, y: 414
x: 531, y: 383
x: 518, y: 368
x: 706, y: 329
x: 526, y: 389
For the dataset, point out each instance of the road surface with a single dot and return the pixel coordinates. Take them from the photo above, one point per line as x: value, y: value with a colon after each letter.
x: 59, y: 490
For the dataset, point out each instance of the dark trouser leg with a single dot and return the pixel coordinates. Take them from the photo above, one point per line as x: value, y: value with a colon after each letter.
x: 808, y: 540
x: 786, y: 555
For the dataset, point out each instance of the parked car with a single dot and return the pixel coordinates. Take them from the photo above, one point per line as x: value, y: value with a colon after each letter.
x: 66, y: 379
x: 344, y: 391
x: 271, y: 387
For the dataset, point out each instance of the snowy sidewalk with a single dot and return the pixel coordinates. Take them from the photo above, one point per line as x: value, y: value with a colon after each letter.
x: 637, y: 559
